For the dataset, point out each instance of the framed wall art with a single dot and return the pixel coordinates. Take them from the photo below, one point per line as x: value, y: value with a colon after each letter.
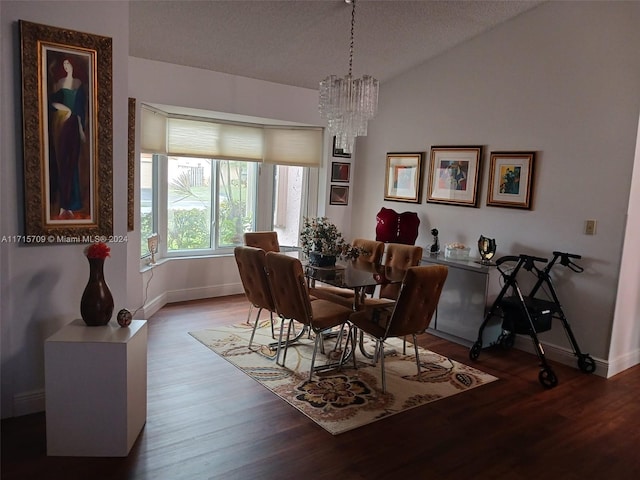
x: 453, y: 175
x: 339, y: 195
x: 339, y: 152
x: 131, y: 164
x: 67, y: 133
x: 511, y: 179
x: 403, y: 177
x: 340, y: 172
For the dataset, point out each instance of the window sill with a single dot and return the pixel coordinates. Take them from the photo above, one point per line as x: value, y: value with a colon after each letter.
x: 145, y: 266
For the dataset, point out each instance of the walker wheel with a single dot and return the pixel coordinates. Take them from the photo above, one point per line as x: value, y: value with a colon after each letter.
x: 474, y: 353
x: 586, y: 364
x: 507, y: 340
x: 547, y: 378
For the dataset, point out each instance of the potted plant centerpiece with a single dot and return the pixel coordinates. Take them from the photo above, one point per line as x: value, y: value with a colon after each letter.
x: 322, y: 243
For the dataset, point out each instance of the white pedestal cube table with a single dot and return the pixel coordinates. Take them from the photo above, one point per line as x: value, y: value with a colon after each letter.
x: 96, y: 389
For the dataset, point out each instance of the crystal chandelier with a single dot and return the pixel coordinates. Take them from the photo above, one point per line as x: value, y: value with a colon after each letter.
x: 347, y: 103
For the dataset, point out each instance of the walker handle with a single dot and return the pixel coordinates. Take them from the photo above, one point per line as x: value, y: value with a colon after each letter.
x: 565, y: 259
x: 529, y: 261
x: 508, y: 258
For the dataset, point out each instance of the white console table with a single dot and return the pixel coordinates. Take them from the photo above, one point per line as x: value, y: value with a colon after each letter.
x: 465, y: 297
x: 96, y: 388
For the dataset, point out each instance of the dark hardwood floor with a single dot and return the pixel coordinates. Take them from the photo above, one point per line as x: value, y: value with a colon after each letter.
x: 206, y: 420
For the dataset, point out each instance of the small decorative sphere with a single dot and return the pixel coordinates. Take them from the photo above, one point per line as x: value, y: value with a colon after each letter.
x: 434, y: 232
x: 124, y: 317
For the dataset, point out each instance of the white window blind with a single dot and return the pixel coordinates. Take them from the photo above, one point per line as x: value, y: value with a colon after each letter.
x: 153, y: 134
x: 293, y: 146
x: 214, y: 140
x: 196, y: 137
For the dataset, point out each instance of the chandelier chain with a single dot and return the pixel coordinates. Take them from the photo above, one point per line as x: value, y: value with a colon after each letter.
x: 348, y: 103
x: 353, y: 22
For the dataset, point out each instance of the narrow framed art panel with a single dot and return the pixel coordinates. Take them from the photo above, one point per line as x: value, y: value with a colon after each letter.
x: 131, y: 164
x: 67, y: 133
x: 340, y: 172
x: 454, y: 174
x: 339, y: 195
x: 403, y: 177
x: 339, y: 152
x: 511, y: 179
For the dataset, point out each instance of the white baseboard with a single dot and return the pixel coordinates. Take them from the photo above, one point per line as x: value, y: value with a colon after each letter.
x: 152, y: 306
x: 28, y: 403
x: 560, y: 354
x: 184, y: 295
x: 620, y: 364
x: 555, y: 353
x: 34, y: 402
x: 204, y: 292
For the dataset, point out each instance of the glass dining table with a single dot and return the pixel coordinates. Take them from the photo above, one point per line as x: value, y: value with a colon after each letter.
x: 354, y: 275
x: 358, y: 276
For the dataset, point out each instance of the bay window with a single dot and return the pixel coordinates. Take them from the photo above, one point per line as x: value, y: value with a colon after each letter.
x: 204, y: 183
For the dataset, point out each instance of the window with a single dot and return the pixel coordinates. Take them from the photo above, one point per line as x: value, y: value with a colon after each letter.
x: 148, y: 205
x: 205, y: 193
x: 201, y: 204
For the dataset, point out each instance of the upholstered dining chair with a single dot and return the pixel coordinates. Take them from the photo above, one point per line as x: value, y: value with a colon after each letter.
x: 401, y: 257
x: 291, y: 297
x: 252, y: 266
x: 266, y: 240
x: 410, y: 315
x: 397, y: 256
x: 372, y: 248
x: 373, y: 251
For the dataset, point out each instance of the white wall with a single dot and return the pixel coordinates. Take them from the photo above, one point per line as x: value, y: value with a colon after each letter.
x: 626, y: 325
x: 562, y: 80
x: 41, y: 286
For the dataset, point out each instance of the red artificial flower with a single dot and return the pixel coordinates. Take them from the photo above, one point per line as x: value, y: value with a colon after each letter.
x: 97, y: 250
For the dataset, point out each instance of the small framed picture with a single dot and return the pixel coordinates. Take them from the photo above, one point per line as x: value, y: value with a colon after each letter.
x: 453, y: 175
x: 339, y: 195
x: 339, y: 152
x: 403, y: 177
x: 511, y: 179
x: 340, y: 172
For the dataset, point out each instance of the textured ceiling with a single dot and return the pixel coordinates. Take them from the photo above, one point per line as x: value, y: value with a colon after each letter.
x: 301, y: 42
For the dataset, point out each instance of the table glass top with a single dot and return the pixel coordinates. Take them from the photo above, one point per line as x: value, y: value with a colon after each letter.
x: 354, y: 274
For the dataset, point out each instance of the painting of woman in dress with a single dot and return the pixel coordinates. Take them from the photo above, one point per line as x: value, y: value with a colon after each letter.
x: 69, y: 134
x: 453, y: 175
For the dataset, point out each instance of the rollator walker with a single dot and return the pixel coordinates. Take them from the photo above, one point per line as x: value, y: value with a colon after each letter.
x: 530, y: 315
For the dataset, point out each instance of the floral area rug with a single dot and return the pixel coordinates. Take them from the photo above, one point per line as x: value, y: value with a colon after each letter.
x: 341, y: 399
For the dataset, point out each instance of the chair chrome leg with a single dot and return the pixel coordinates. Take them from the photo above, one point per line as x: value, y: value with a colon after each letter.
x: 354, y: 343
x: 384, y: 382
x: 255, y: 325
x: 279, y: 346
x: 273, y: 334
x: 286, y: 342
x: 249, y: 314
x: 415, y: 345
x: 350, y: 337
x: 315, y: 350
x: 376, y: 353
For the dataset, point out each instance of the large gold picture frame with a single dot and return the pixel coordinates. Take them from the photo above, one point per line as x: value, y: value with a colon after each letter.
x: 67, y: 134
x: 454, y: 174
x: 131, y: 165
